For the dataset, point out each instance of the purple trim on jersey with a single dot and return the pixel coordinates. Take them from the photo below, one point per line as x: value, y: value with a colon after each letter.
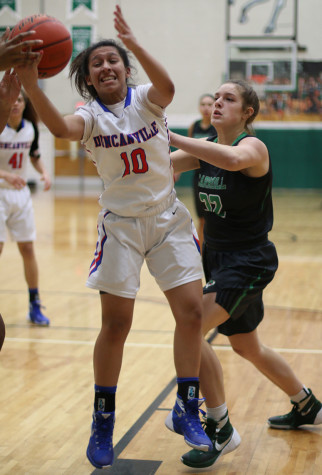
x: 98, y: 254
x: 20, y: 126
x: 107, y: 212
x: 168, y: 134
x: 127, y: 101
x: 197, y: 243
x: 196, y: 240
x: 128, y: 97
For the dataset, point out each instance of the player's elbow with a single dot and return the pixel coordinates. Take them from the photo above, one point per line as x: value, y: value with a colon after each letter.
x: 61, y: 135
x: 234, y: 165
x: 172, y: 89
x: 169, y: 90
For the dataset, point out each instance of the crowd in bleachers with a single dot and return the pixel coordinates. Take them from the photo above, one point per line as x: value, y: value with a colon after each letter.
x: 305, y: 102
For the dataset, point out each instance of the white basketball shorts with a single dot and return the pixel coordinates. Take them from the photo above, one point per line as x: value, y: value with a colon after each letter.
x: 167, y: 241
x: 17, y: 214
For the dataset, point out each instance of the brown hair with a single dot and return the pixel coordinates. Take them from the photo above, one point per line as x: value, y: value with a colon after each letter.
x: 29, y: 112
x: 203, y: 96
x: 250, y: 99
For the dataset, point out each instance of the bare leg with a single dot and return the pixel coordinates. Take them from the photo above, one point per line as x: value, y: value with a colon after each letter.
x: 30, y: 264
x: 211, y: 377
x: 186, y: 305
x: 267, y: 361
x: 117, y: 314
x: 211, y: 374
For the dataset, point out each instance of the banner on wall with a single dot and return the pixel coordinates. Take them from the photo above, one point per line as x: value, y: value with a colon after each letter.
x: 82, y: 37
x: 88, y: 6
x: 85, y: 3
x: 9, y: 4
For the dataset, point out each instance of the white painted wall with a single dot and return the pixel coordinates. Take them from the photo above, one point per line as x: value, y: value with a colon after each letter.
x: 187, y: 36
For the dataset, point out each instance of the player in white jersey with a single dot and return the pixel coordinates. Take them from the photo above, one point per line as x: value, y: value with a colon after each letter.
x: 18, y: 144
x: 12, y: 52
x: 134, y: 135
x: 124, y: 129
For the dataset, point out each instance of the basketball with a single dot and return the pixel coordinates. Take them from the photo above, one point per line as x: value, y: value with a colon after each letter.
x: 57, y: 43
x: 2, y: 331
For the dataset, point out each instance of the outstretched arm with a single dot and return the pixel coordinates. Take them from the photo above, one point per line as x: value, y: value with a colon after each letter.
x: 162, y: 90
x: 183, y: 161
x: 250, y: 156
x: 70, y: 126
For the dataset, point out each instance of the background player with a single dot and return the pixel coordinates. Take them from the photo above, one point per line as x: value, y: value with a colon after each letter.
x: 124, y: 130
x: 12, y: 53
x: 18, y: 142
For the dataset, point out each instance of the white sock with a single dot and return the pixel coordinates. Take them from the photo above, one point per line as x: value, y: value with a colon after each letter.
x: 303, y: 396
x: 300, y: 396
x: 218, y: 414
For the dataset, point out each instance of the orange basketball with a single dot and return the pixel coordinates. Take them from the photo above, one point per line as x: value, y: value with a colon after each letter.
x: 57, y: 43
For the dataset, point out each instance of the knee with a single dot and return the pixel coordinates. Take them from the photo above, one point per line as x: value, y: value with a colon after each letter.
x: 115, y: 330
x: 240, y: 351
x: 191, y: 316
x: 27, y: 250
x: 248, y: 352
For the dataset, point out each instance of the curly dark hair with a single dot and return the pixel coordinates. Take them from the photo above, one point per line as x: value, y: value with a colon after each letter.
x: 79, y: 67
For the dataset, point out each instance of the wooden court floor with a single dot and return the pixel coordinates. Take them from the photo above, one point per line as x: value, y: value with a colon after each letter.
x: 46, y: 375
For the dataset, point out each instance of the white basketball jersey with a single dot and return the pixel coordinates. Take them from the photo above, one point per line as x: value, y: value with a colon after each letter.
x: 14, y: 150
x: 131, y: 152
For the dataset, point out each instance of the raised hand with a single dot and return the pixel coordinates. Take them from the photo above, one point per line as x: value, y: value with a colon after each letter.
x: 28, y: 72
x: 124, y: 31
x: 17, y: 52
x: 9, y: 88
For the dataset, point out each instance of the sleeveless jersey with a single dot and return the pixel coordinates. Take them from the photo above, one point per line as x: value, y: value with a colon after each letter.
x: 198, y: 132
x: 131, y: 153
x: 239, y: 210
x: 15, y: 148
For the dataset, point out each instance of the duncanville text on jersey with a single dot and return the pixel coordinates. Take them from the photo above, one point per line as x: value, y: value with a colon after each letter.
x: 121, y: 140
x: 15, y: 145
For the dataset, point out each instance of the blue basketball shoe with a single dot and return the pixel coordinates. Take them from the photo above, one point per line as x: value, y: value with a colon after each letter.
x: 100, y: 447
x: 184, y: 420
x: 35, y: 314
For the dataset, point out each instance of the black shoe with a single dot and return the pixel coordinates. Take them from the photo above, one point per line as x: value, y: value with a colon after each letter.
x: 311, y: 413
x: 224, y: 440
